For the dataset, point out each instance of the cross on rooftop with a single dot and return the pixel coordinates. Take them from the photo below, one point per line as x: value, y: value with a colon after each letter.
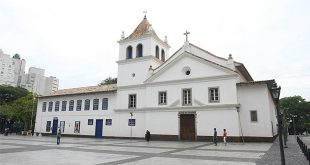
x: 186, y: 33
x: 144, y: 12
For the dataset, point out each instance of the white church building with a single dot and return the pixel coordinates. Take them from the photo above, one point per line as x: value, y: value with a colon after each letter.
x: 179, y: 97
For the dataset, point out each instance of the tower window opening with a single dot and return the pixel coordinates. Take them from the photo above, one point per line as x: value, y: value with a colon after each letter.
x: 129, y: 52
x: 157, y: 52
x: 163, y: 55
x: 139, y: 50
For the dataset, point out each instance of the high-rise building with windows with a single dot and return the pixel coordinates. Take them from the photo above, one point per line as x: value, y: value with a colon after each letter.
x: 11, y: 69
x: 12, y: 73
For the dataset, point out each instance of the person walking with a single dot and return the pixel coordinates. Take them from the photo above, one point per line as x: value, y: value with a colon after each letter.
x: 58, y: 136
x: 215, y: 137
x: 225, y: 137
x: 147, y: 135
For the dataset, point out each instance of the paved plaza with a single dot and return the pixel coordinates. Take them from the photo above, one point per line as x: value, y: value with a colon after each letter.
x: 25, y: 150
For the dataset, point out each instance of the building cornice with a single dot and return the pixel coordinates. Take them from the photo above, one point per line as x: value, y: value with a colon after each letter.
x: 145, y: 36
x: 183, y: 108
x: 180, y: 81
x: 139, y: 59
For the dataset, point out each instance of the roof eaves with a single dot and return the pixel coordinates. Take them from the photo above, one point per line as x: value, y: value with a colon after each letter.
x: 208, y: 52
x: 268, y: 82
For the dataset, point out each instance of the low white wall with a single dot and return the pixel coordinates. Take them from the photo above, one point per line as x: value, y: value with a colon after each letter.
x: 221, y: 119
x: 255, y: 97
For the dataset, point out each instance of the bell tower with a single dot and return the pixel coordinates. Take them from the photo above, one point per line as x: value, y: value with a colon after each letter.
x: 139, y: 53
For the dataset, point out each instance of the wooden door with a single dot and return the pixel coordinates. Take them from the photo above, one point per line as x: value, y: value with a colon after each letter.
x: 187, y: 127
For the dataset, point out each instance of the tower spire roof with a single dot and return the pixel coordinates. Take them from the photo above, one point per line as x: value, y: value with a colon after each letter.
x: 143, y: 28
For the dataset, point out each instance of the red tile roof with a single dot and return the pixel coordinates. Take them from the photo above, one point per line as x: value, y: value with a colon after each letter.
x: 143, y: 28
x: 84, y: 90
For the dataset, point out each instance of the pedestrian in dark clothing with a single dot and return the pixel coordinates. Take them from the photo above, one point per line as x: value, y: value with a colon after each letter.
x: 147, y: 135
x: 6, y: 131
x: 58, y: 136
x: 215, y: 137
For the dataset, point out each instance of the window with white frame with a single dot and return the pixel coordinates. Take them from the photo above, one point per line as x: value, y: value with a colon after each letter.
x: 44, y: 107
x: 48, y: 126
x: 105, y: 103
x: 50, y: 106
x: 78, y: 105
x: 64, y: 106
x: 90, y: 121
x: 253, y: 114
x: 214, y: 95
x: 162, y: 98
x: 56, y: 106
x: 187, y: 96
x: 71, y: 105
x: 132, y: 100
x: 95, y: 104
x: 108, y: 121
x: 87, y: 104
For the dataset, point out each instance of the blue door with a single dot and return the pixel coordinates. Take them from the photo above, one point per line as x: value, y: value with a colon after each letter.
x: 55, y: 126
x: 98, y: 131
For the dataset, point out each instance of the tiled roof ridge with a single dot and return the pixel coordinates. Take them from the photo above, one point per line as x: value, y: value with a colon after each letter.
x: 222, y: 58
x: 81, y: 90
x: 256, y: 82
x: 141, y: 29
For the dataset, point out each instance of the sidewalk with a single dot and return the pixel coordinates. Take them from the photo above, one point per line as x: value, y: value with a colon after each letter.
x: 293, y: 154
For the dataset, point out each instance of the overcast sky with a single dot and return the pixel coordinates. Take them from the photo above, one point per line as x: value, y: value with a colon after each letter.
x: 76, y: 41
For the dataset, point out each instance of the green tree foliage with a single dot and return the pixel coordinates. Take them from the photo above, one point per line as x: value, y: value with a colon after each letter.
x: 9, y: 93
x: 16, y: 56
x: 16, y: 108
x: 297, y: 108
x: 109, y: 80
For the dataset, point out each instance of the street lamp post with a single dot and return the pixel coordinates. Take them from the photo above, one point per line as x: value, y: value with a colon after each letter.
x: 285, y: 128
x: 276, y: 95
x: 293, y: 116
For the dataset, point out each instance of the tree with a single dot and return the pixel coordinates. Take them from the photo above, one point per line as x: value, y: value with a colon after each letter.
x: 16, y: 56
x: 17, y: 106
x: 24, y: 109
x: 9, y: 93
x: 298, y: 109
x: 109, y: 80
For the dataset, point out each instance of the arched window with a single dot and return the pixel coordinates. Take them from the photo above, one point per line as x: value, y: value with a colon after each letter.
x: 157, y: 52
x: 139, y: 52
x: 162, y: 55
x: 129, y: 52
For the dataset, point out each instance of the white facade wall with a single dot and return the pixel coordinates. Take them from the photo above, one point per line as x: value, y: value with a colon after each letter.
x: 139, y: 67
x: 256, y: 97
x: 71, y: 116
x: 220, y: 119
x: 198, y: 68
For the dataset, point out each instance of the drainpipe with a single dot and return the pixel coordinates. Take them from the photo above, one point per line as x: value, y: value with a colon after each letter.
x: 240, y: 126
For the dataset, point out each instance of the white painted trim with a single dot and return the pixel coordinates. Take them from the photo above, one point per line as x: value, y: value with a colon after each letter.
x: 137, y: 59
x: 181, y: 81
x: 145, y: 36
x: 187, y: 54
x: 183, y: 108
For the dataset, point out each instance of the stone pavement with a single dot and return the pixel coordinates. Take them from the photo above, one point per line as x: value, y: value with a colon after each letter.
x: 26, y: 150
x: 293, y: 154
